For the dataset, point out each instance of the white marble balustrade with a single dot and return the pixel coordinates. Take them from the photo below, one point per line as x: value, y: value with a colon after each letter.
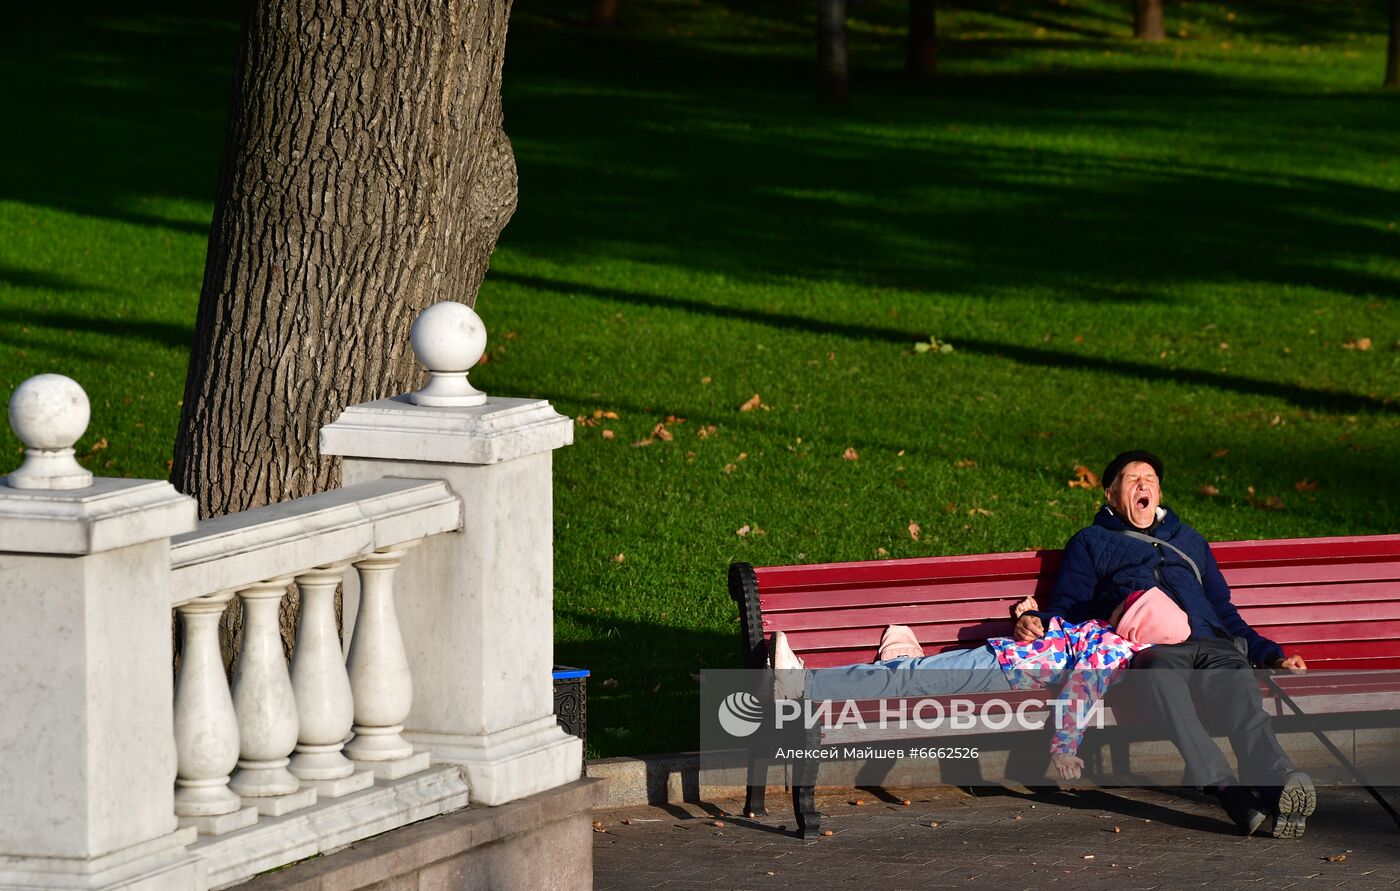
x: 210, y: 780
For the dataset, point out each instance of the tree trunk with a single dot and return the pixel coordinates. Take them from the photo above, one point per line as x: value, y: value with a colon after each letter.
x: 1392, y: 55
x: 833, y: 76
x: 605, y: 13
x: 921, y: 52
x: 365, y: 175
x: 1147, y: 20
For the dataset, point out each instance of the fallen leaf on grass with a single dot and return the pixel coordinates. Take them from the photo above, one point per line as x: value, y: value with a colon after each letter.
x: 965, y: 463
x: 707, y: 431
x: 661, y: 433
x: 706, y: 379
x: 1305, y: 485
x: 672, y: 419
x: 1220, y: 453
x: 914, y: 530
x: 979, y: 512
x: 610, y: 683
x: 882, y: 552
x: 851, y: 455
x: 753, y: 403
x: 1361, y: 343
x: 643, y: 443
x: 608, y: 434
x: 1336, y: 858
x: 1273, y: 502
x: 585, y: 421
x: 1084, y: 478
x: 742, y: 530
x: 730, y: 468
x: 1208, y: 490
x: 619, y: 558
x: 608, y: 415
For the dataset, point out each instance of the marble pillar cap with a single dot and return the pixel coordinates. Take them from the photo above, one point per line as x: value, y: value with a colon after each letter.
x: 448, y: 338
x: 49, y: 413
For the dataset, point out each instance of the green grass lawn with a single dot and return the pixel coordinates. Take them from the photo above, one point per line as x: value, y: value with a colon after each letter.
x: 1179, y: 247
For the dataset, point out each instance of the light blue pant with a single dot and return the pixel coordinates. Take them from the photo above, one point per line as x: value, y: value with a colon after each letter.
x: 955, y: 671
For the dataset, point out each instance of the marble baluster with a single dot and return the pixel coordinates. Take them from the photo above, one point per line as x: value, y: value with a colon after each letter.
x: 379, y: 674
x: 267, y: 710
x: 206, y: 726
x: 321, y: 685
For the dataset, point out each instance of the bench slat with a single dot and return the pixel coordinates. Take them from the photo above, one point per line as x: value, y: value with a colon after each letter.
x: 1007, y: 590
x: 1304, y: 614
x: 969, y: 566
x: 880, y: 616
x: 1339, y: 592
x: 1248, y: 576
x: 1346, y: 547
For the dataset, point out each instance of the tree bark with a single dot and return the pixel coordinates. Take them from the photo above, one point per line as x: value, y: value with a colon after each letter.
x: 833, y: 75
x: 365, y: 175
x: 606, y: 13
x: 1148, y: 23
x: 1392, y: 55
x: 921, y: 51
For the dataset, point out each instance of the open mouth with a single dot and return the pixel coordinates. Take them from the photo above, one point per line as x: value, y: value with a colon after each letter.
x: 1143, y: 501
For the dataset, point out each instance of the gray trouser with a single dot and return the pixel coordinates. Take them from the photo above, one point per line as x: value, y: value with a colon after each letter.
x: 1211, y: 673
x: 942, y: 674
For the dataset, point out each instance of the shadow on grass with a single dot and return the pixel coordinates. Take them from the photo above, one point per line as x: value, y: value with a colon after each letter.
x: 996, y: 184
x: 1303, y: 397
x: 641, y: 693
x: 117, y: 103
x: 166, y: 334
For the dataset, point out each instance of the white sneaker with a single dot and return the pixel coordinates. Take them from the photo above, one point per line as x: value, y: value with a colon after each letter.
x: 789, y: 673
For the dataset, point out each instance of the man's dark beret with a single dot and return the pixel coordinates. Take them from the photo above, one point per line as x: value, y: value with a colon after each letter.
x: 1110, y: 473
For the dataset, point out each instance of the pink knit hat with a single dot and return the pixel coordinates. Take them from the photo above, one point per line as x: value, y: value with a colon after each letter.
x: 1152, y: 617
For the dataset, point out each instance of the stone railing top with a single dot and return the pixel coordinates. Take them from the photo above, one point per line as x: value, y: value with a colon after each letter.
x: 51, y: 505
x: 448, y: 421
x: 49, y: 413
x: 236, y: 550
x: 448, y: 338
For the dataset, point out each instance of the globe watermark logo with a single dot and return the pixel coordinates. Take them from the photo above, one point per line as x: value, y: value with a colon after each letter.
x: 740, y: 714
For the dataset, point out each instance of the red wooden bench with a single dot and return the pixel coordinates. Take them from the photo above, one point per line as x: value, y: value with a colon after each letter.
x: 1335, y: 601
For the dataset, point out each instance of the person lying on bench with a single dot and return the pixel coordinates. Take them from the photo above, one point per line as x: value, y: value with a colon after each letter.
x: 1133, y: 543
x: 1084, y: 657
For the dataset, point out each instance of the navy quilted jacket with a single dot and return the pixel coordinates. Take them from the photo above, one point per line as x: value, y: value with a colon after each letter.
x: 1101, y: 567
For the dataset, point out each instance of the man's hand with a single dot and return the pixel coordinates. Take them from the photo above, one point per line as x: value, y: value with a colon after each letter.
x: 1293, y: 663
x: 1025, y: 604
x: 1028, y: 628
x: 1069, y: 766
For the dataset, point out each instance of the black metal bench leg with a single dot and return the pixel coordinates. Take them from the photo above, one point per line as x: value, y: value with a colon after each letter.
x: 754, y: 805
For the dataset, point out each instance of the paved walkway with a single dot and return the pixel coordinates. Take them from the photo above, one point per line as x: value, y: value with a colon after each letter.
x: 1118, y: 838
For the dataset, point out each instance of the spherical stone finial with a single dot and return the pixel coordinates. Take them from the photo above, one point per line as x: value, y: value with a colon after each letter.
x: 49, y: 413
x: 448, y: 338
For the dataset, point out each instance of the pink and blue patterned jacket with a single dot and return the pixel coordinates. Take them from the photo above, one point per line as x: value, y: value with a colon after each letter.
x: 1090, y: 652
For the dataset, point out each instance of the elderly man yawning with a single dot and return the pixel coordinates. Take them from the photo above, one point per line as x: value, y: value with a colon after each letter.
x: 1136, y: 544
